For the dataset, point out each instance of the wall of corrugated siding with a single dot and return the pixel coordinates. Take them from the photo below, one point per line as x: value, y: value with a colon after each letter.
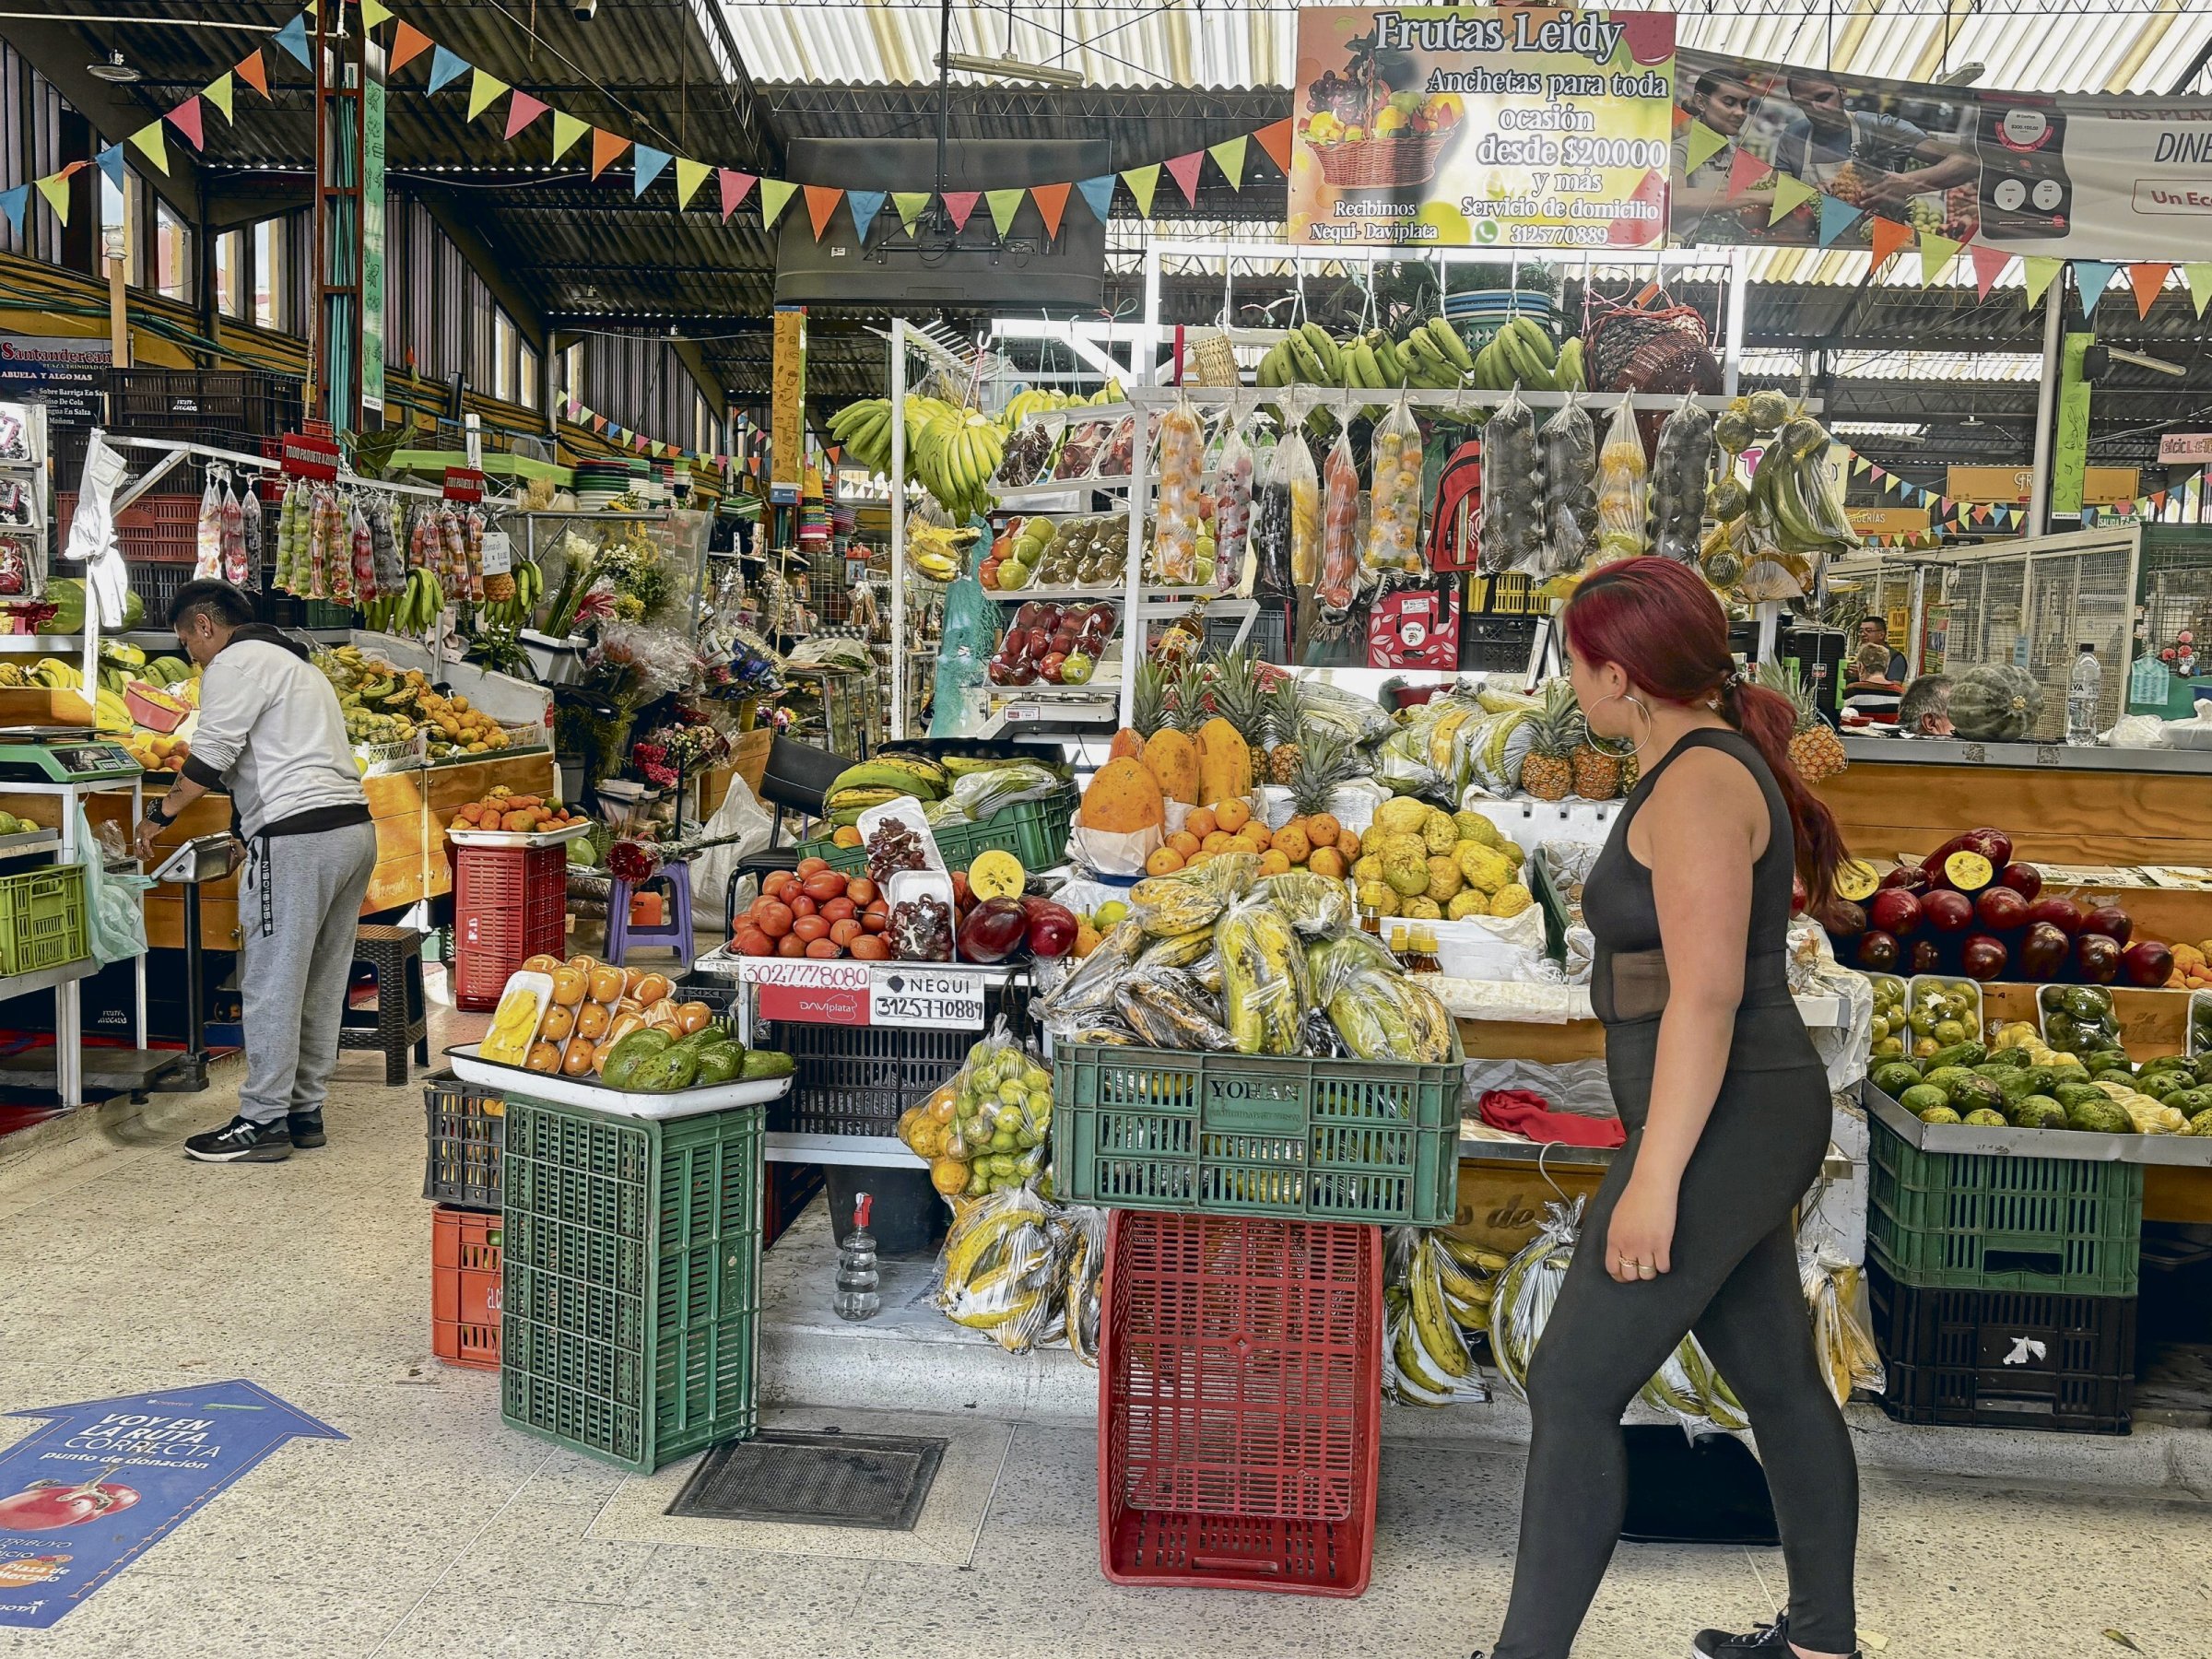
x: 642, y: 383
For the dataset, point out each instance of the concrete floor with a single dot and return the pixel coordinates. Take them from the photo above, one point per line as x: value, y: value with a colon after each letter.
x: 434, y: 1530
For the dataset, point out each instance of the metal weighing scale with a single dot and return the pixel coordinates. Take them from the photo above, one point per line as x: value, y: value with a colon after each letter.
x: 63, y: 755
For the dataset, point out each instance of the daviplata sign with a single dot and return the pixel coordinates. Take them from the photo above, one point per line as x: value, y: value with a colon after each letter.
x: 1458, y: 126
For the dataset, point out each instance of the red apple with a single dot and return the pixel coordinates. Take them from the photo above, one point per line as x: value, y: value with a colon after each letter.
x: 2060, y: 913
x: 2044, y: 951
x: 2097, y: 957
x: 2001, y: 909
x: 1948, y: 912
x: 2111, y: 921
x: 2023, y: 878
x: 1896, y: 910
x: 2147, y: 964
x: 1982, y: 958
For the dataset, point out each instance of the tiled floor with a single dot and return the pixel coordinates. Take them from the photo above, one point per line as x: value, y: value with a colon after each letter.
x: 434, y: 1530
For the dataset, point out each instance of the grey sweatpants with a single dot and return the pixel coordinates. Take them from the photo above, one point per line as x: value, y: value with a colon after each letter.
x: 295, y: 978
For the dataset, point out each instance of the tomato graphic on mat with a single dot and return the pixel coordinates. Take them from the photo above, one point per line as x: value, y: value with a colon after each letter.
x: 49, y: 1505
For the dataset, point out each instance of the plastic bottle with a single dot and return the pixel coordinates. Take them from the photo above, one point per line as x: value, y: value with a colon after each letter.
x: 857, y: 1297
x: 2082, y: 689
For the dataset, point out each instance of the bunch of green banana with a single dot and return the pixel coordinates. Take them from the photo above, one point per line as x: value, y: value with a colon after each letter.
x: 1522, y: 354
x: 952, y: 453
x: 1435, y: 357
x: 886, y: 778
x: 516, y: 612
x: 864, y: 429
x: 421, y: 603
x: 1795, y: 496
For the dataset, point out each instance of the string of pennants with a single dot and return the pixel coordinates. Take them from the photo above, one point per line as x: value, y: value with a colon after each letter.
x: 1949, y: 515
x: 623, y: 437
x: 1888, y: 237
x: 733, y: 187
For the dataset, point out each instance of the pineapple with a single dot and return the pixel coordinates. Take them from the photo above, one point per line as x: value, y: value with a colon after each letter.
x: 1239, y: 698
x: 1149, y: 710
x: 1324, y: 766
x: 1815, y: 750
x: 1557, y: 733
x: 1189, y: 711
x: 1596, y: 767
x: 1286, y: 716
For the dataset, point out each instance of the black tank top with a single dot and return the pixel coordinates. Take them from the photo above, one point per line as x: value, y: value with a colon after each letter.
x: 1629, y: 977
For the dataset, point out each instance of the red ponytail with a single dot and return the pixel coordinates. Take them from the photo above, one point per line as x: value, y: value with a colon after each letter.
x: 1661, y: 624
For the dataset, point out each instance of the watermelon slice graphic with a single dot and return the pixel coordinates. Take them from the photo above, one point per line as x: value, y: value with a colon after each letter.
x: 1640, y: 232
x: 1649, y: 38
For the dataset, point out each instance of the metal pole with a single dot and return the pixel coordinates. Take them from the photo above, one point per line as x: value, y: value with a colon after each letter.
x: 1732, y: 361
x: 1133, y: 634
x: 898, y: 596
x: 2046, y: 406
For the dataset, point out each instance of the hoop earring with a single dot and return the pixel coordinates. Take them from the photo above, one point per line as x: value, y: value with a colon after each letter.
x: 1641, y: 707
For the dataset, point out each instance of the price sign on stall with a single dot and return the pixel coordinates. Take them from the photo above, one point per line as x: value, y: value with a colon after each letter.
x: 463, y: 484
x: 498, y: 553
x: 923, y: 995
x: 848, y: 992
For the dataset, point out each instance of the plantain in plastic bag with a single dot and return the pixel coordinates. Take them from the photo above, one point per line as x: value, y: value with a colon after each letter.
x: 1568, y: 444
x: 1085, y: 1278
x: 1316, y: 905
x: 1000, y: 1269
x: 1526, y: 1291
x: 1086, y: 997
x: 1175, y: 950
x: 1171, y: 1009
x: 1513, y: 490
x: 1170, y: 906
x: 1264, y: 988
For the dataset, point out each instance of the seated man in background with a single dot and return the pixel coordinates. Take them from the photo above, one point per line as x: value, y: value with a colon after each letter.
x: 1870, y: 693
x: 1924, y: 711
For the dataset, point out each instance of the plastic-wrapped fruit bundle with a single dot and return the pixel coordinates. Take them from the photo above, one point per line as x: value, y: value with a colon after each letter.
x: 1679, y: 482
x: 1232, y: 512
x: 1340, y: 530
x: 1621, y: 476
x: 1183, y: 503
x: 1286, y: 525
x: 1513, y: 490
x: 1394, y: 529
x: 1569, y: 445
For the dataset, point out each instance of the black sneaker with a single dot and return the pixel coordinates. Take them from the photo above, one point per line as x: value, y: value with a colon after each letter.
x: 1769, y: 1641
x: 242, y: 1141
x: 307, y: 1129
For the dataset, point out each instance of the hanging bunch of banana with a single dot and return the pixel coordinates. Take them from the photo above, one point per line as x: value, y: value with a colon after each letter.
x: 1522, y: 354
x: 864, y: 429
x: 1441, y: 1300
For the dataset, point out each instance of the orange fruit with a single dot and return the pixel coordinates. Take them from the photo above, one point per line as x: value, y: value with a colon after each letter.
x: 948, y: 1175
x: 1086, y: 938
x: 847, y: 835
x: 1347, y: 843
x: 568, y: 987
x: 1323, y: 829
x: 1184, y: 841
x: 1201, y: 823
x: 559, y: 1022
x: 592, y: 1020
x: 1232, y: 814
x: 1258, y: 834
x: 1274, y: 861
x: 1165, y: 861
x: 653, y: 987
x: 577, y: 1062
x: 1326, y: 860
x: 584, y: 964
x: 694, y: 1017
x: 1217, y: 841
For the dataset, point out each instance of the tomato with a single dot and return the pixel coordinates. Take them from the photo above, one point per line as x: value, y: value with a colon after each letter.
x: 803, y: 906
x: 860, y: 889
x: 824, y: 948
x: 875, y: 922
x: 774, y: 920
x: 791, y: 945
x: 843, y: 932
x: 773, y: 885
x: 49, y: 1505
x: 752, y: 942
x: 876, y: 907
x: 869, y: 948
x: 824, y: 884
x: 837, y: 909
x: 807, y: 866
x: 810, y: 928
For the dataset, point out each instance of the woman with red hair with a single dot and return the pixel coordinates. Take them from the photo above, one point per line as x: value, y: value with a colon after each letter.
x: 1727, y: 1110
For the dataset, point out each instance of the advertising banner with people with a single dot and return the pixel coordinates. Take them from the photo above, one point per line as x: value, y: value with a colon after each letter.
x: 1460, y: 127
x: 1767, y: 153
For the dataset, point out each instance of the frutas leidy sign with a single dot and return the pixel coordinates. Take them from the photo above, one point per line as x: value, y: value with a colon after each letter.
x: 1462, y: 126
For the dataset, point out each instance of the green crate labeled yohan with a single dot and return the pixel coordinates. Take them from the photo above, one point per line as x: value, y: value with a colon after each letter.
x: 631, y: 1320
x: 1325, y: 1140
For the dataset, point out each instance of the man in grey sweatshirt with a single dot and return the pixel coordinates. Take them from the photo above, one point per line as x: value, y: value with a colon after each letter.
x: 271, y: 732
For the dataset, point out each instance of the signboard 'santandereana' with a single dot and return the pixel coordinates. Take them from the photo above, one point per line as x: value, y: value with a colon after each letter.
x: 1435, y: 127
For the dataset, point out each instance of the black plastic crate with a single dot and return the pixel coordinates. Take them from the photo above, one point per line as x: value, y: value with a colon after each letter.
x: 463, y: 1164
x: 2005, y: 1358
x: 857, y: 1079
x: 190, y: 403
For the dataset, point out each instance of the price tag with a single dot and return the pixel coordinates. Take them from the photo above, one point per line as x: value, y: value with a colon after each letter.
x: 463, y: 484
x: 1856, y: 881
x: 926, y: 996
x: 498, y: 553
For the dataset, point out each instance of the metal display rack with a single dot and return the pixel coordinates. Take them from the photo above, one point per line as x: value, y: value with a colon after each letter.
x: 28, y: 471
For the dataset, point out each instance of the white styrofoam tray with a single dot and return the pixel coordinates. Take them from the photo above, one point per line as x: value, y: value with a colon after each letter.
x: 577, y: 1091
x: 515, y: 838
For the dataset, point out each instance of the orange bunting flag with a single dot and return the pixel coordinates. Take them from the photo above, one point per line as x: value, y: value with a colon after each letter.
x: 822, y: 202
x: 1276, y: 141
x: 2146, y: 279
x: 253, y: 72
x: 606, y: 148
x: 1888, y: 236
x: 409, y: 43
x: 1052, y: 201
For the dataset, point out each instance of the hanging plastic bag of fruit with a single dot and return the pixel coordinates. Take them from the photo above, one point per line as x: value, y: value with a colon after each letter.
x: 1339, y: 578
x: 1182, y: 495
x: 1513, y: 490
x: 208, y: 544
x: 1569, y: 446
x: 1233, y: 511
x: 1621, y: 475
x: 1265, y: 989
x: 999, y: 1270
x: 1394, y: 462
x: 1286, y: 523
x: 235, y: 538
x: 1084, y: 1275
x: 1685, y: 456
x: 1527, y: 1290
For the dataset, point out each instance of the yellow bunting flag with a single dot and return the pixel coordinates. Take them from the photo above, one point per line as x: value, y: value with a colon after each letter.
x: 2039, y: 271
x: 148, y: 139
x: 1935, y: 252
x: 482, y: 88
x: 775, y: 194
x: 55, y: 187
x: 1229, y: 156
x: 2198, y: 279
x: 220, y: 92
x: 567, y: 129
x: 1142, y: 183
x: 1003, y: 204
x: 1703, y: 143
x: 1789, y: 196
x: 910, y: 204
x: 690, y: 176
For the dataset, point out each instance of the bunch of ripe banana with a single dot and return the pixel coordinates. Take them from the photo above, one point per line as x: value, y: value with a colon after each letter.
x: 936, y: 551
x: 1445, y: 1297
x: 518, y: 608
x: 1691, y: 1389
x: 1522, y: 354
x: 1000, y: 1268
x: 54, y: 675
x: 886, y: 778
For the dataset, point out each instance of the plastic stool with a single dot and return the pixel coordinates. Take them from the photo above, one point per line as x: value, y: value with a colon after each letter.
x: 401, y: 1017
x: 673, y: 933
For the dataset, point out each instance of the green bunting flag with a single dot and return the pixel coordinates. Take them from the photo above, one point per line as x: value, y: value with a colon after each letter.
x: 910, y: 204
x: 1142, y: 183
x: 220, y: 92
x: 483, y: 88
x: 1789, y: 196
x: 775, y: 194
x: 148, y: 139
x: 2197, y: 279
x: 1936, y: 254
x: 1229, y: 156
x: 567, y: 129
x: 55, y: 187
x: 2039, y: 271
x: 1003, y: 204
x: 1703, y: 143
x: 690, y: 176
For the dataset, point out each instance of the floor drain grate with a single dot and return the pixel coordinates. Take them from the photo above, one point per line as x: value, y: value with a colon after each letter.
x: 804, y: 1480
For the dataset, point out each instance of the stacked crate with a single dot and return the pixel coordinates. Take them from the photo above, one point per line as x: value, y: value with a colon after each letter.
x: 461, y: 1177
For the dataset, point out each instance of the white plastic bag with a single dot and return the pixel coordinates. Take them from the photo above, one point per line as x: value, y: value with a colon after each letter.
x: 742, y: 817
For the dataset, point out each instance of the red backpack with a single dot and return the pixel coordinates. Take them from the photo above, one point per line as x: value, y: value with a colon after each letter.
x: 1452, y: 542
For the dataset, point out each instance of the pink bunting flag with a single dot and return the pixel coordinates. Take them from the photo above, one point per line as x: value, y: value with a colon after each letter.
x: 522, y: 110
x: 735, y: 185
x: 186, y: 119
x: 960, y: 203
x: 1989, y: 264
x: 1743, y: 171
x: 1184, y: 169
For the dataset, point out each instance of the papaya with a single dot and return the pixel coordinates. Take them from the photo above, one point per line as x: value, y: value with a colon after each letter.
x: 1224, y: 763
x: 631, y: 1054
x: 1173, y: 759
x: 1127, y: 746
x: 1123, y: 798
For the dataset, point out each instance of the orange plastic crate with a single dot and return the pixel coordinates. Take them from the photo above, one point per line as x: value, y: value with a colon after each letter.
x: 464, y: 1288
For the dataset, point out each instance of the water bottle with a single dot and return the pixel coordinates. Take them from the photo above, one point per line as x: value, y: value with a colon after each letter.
x: 857, y: 1276
x: 2082, y: 689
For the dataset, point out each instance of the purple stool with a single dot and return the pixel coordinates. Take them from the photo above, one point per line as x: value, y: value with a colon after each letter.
x: 673, y: 935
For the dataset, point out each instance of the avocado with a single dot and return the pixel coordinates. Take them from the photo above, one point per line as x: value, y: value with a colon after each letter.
x: 1939, y: 1114
x: 1959, y: 1053
x: 2089, y: 1003
x: 2071, y: 1095
x: 1974, y: 1094
x: 766, y: 1063
x: 2052, y: 999
x: 1982, y: 1117
x: 2099, y: 1118
x: 2113, y: 1073
x: 1946, y: 1078
x: 1922, y: 1097
x: 2015, y: 1086
x: 630, y: 1054
x: 2100, y: 1056
x: 719, y: 1063
x: 667, y: 1072
x: 2047, y: 1077
x: 2062, y: 1032
x: 2038, y: 1111
x: 2016, y: 1058
x: 2191, y: 1101
x: 1894, y: 1076
x: 2202, y: 1064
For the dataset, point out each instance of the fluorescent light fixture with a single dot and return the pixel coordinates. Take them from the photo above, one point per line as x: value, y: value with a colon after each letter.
x: 113, y: 70
x: 1009, y: 69
x: 1879, y: 429
x: 2156, y: 365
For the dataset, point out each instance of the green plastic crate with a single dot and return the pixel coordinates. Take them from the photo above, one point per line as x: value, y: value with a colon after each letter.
x: 43, y: 921
x: 1965, y: 1221
x: 1034, y: 832
x: 1236, y: 1134
x: 631, y: 1320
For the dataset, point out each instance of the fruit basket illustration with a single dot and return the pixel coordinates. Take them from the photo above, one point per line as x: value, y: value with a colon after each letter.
x: 1365, y: 135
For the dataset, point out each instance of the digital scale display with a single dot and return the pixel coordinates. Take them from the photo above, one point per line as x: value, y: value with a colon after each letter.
x: 31, y: 762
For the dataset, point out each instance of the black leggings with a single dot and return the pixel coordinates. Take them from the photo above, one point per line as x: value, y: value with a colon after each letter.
x: 1735, y: 1281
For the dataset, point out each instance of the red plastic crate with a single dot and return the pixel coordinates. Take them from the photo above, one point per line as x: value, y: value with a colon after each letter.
x: 464, y: 1288
x: 1240, y: 1399
x: 510, y: 905
x: 154, y: 529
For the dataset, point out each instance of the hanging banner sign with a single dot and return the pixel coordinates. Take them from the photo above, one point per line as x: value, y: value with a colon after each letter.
x: 1799, y: 156
x: 1460, y: 127
x: 1888, y: 521
x: 2184, y: 449
x: 2101, y: 485
x: 306, y: 456
x: 373, y: 233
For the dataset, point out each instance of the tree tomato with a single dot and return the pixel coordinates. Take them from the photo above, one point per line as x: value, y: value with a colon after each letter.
x: 49, y: 1505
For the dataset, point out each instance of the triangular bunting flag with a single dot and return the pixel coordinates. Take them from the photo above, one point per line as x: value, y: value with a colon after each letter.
x: 822, y: 202
x: 1981, y: 514
x: 1703, y: 143
x: 735, y: 185
x: 1184, y: 169
x: 55, y: 187
x: 690, y: 176
x: 446, y: 68
x: 1004, y: 205
x: 1837, y: 216
x: 220, y: 93
x: 292, y: 37
x: 374, y: 12
x: 637, y: 442
x: 1097, y: 194
x: 1274, y: 139
x: 1052, y: 202
x: 409, y: 43
x: 1860, y: 466
x: 1935, y: 252
x: 253, y: 72
x: 1876, y: 471
x: 647, y: 164
x: 149, y: 140
x: 2197, y: 279
x: 960, y: 203
x: 522, y: 110
x: 1142, y: 183
x: 1743, y: 171
x: 775, y: 194
x: 2039, y: 271
x: 910, y: 204
x: 567, y: 129
x: 1888, y: 236
x: 1789, y: 196
x: 865, y: 205
x: 483, y: 88
x: 598, y: 423
x: 110, y: 163
x: 606, y: 148
x: 12, y: 203
x: 2147, y: 279
x: 1229, y: 156
x: 1989, y: 264
x: 2092, y: 277
x: 186, y: 118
